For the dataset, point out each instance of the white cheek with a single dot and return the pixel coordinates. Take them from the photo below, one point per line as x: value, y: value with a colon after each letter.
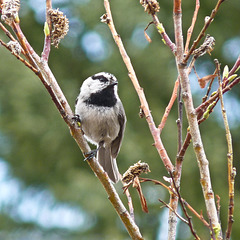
x: 95, y: 87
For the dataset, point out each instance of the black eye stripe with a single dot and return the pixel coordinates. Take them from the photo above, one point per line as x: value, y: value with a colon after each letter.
x: 101, y: 78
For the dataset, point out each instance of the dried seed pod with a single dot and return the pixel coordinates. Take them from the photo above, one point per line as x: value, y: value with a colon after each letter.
x: 134, y: 171
x: 206, y: 47
x: 15, y: 47
x: 10, y: 10
x: 150, y: 6
x: 60, y: 26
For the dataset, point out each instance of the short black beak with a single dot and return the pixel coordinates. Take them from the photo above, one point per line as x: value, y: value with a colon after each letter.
x: 113, y: 83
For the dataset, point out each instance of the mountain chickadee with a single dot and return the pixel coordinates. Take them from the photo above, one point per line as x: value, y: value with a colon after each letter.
x: 102, y: 118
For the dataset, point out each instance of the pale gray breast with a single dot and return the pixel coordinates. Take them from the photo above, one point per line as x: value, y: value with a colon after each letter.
x: 100, y: 124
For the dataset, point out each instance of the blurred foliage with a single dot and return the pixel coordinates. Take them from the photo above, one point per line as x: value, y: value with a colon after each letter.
x: 37, y: 144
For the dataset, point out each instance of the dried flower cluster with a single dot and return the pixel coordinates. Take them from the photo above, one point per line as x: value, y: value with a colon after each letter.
x: 134, y: 171
x: 150, y: 6
x: 60, y: 25
x: 206, y: 47
x: 15, y: 47
x: 10, y: 10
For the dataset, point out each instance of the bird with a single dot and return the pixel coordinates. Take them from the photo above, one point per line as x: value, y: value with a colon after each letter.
x: 102, y: 119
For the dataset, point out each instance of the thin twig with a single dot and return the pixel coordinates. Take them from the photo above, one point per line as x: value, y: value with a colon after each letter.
x: 157, y: 183
x: 45, y: 73
x: 235, y: 67
x: 209, y: 87
x: 199, y: 216
x: 170, y: 190
x: 48, y: 25
x: 169, y: 106
x: 200, y: 112
x: 169, y: 207
x: 231, y: 171
x: 152, y: 7
x: 144, y: 104
x: 130, y: 204
x: 190, y: 30
x: 179, y: 160
x: 8, y: 34
x: 189, y: 219
x: 180, y: 118
x: 27, y: 64
x: 202, y: 33
x: 23, y: 41
x: 163, y: 33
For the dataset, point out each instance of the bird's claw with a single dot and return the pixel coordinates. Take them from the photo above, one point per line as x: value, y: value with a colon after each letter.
x: 90, y: 155
x: 77, y: 119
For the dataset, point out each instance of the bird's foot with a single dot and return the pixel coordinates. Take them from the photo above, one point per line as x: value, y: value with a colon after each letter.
x: 90, y: 155
x: 77, y: 119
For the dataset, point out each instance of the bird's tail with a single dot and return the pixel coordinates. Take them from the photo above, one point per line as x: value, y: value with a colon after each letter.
x: 108, y: 163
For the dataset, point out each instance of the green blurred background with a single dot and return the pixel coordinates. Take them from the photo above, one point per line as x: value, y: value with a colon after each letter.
x: 47, y: 192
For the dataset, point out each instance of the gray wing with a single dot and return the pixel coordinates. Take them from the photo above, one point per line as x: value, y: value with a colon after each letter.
x: 116, y: 144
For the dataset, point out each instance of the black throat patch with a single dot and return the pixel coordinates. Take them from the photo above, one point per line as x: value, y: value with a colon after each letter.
x: 105, y: 98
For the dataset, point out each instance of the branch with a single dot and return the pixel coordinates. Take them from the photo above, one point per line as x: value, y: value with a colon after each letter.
x: 190, y: 30
x: 95, y: 166
x: 189, y: 220
x: 199, y: 216
x: 171, y: 190
x: 107, y: 18
x: 202, y: 33
x: 152, y: 7
x: 192, y: 118
x: 169, y: 107
x: 163, y: 33
x: 169, y: 207
x: 62, y: 105
x: 47, y: 31
x: 235, y: 67
x: 8, y: 34
x: 231, y: 169
x: 27, y: 64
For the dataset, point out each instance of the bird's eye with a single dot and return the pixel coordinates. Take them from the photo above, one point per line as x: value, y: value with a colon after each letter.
x: 101, y: 78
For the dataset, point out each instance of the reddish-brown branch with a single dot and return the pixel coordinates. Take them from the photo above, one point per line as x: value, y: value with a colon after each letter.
x: 163, y: 33
x: 170, y: 190
x: 27, y: 64
x: 48, y: 7
x: 47, y: 42
x: 200, y: 110
x: 144, y: 104
x: 177, y: 8
x: 170, y: 208
x: 235, y: 67
x: 202, y: 33
x: 190, y: 30
x: 199, y: 216
x: 169, y: 107
x: 22, y: 39
x: 157, y: 183
x: 8, y: 34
